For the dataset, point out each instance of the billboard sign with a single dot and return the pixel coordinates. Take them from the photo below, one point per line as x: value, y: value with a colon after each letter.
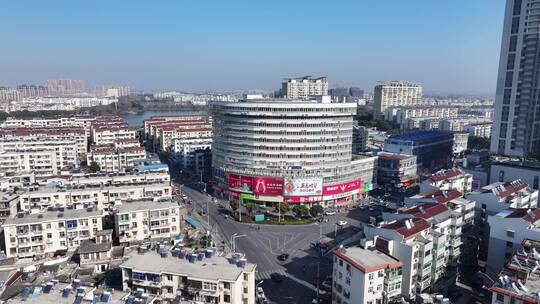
x: 302, y: 199
x: 240, y: 182
x: 268, y: 185
x: 302, y: 186
x: 341, y: 188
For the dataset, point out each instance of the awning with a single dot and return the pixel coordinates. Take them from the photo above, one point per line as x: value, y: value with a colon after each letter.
x: 193, y: 223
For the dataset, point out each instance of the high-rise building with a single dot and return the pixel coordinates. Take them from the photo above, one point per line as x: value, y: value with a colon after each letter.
x: 395, y: 93
x: 64, y: 86
x: 303, y: 87
x: 516, y: 131
x: 292, y: 151
x: 26, y: 90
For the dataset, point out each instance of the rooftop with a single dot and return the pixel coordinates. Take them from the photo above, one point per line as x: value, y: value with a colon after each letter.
x: 408, y: 227
x: 420, y: 135
x: 396, y: 156
x: 446, y: 174
x: 530, y: 215
x: 440, y: 196
x: 505, y: 189
x: 214, y: 268
x: 145, y: 205
x: 367, y: 260
x: 67, y: 214
x: 426, y: 211
x: 90, y: 246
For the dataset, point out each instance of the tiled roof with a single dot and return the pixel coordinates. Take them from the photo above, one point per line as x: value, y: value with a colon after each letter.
x: 531, y: 215
x: 426, y: 211
x: 444, y: 175
x: 400, y: 226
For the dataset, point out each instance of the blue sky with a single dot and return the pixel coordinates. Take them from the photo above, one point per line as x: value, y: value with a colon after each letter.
x: 447, y: 45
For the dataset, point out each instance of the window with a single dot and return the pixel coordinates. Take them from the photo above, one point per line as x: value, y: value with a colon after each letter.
x: 94, y: 221
x: 510, y: 233
x: 484, y: 206
x: 500, y: 297
x: 227, y: 298
x: 513, y: 43
x: 501, y: 177
x: 508, y: 79
x: 509, y: 244
x: 341, y: 263
x: 48, y: 226
x: 535, y: 183
x: 371, y: 276
x: 515, y: 25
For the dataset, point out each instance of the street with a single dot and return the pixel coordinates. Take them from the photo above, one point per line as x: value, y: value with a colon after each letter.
x: 262, y: 244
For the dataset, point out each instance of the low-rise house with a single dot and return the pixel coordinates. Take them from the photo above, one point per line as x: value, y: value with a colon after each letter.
x: 451, y: 179
x: 363, y: 276
x: 211, y: 279
x: 137, y: 221
x: 45, y: 233
x: 99, y: 252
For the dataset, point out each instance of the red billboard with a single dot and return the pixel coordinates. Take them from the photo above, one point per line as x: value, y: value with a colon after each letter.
x: 267, y: 185
x: 302, y: 199
x: 240, y: 182
x: 341, y: 188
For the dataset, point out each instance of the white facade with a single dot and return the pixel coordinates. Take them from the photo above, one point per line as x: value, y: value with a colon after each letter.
x: 496, y: 197
x: 303, y: 87
x: 401, y: 114
x: 45, y: 233
x: 510, y: 170
x: 395, y: 93
x: 213, y: 280
x: 451, y: 179
x: 111, y: 158
x: 363, y: 276
x: 141, y: 220
x: 507, y: 230
x: 101, y: 197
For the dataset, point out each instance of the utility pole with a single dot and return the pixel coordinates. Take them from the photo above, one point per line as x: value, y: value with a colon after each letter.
x: 279, y: 211
x: 318, y: 264
x: 207, y: 214
x: 240, y: 209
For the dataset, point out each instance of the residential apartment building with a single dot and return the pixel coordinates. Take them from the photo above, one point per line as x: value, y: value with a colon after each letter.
x: 64, y: 86
x: 193, y: 154
x: 507, y: 230
x: 11, y: 183
x: 444, y: 221
x: 499, y: 196
x: 212, y: 279
x: 9, y: 203
x: 30, y: 90
x: 453, y: 199
x: 510, y: 170
x: 400, y: 114
x: 360, y: 139
x: 39, y: 234
x: 479, y: 129
x: 115, y: 157
x: 137, y: 221
x: 516, y: 119
x: 415, y: 246
x: 363, y: 276
x: 396, y: 171
x: 99, y: 252
x: 28, y: 136
x: 102, y: 197
x: 109, y: 129
x: 42, y: 162
x: 433, y: 149
x: 76, y: 121
x: 303, y: 87
x: 450, y: 179
x: 519, y: 281
x: 127, y: 178
x: 395, y: 93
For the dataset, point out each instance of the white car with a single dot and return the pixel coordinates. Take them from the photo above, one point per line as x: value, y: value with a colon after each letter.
x: 342, y: 223
x: 330, y: 212
x: 260, y: 293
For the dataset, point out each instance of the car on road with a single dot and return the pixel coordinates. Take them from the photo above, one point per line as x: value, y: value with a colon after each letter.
x: 260, y: 293
x: 276, y: 277
x: 342, y: 223
x: 329, y: 212
x: 283, y: 257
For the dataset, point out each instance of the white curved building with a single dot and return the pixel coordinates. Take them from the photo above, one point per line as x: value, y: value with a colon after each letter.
x: 295, y: 151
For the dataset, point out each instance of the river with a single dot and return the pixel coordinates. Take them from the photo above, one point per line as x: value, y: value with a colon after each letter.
x: 136, y: 120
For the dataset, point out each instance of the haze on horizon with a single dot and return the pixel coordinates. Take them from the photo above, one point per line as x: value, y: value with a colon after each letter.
x: 447, y: 46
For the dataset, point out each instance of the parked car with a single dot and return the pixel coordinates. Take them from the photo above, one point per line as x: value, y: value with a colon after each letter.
x: 260, y: 293
x: 342, y: 223
x: 329, y: 212
x: 327, y: 285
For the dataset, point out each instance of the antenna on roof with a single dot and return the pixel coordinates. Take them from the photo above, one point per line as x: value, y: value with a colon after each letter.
x: 408, y: 224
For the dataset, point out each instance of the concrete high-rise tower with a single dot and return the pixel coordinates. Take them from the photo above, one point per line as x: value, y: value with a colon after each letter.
x: 517, y: 110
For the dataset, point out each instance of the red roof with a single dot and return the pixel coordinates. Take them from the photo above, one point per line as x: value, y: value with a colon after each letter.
x: 511, y: 188
x: 400, y: 226
x: 426, y: 211
x: 442, y: 196
x: 444, y: 175
x: 530, y: 215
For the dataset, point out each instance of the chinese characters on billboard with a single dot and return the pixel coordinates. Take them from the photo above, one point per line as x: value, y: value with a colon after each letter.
x: 302, y: 199
x: 268, y: 186
x: 240, y: 182
x: 302, y: 186
x: 341, y: 188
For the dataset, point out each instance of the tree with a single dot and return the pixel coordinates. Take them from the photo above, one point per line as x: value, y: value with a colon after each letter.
x: 478, y: 143
x: 316, y: 210
x: 301, y: 210
x: 251, y: 207
x: 94, y: 167
x: 283, y: 207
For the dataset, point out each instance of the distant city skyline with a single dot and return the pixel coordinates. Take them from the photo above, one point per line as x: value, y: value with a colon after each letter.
x: 447, y: 47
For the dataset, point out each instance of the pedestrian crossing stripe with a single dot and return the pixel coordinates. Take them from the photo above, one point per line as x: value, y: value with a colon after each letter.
x: 266, y: 275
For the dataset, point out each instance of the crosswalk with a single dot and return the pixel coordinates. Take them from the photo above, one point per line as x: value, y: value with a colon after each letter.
x: 265, y: 275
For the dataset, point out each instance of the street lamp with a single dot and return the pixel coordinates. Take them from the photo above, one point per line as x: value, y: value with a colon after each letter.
x: 257, y: 285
